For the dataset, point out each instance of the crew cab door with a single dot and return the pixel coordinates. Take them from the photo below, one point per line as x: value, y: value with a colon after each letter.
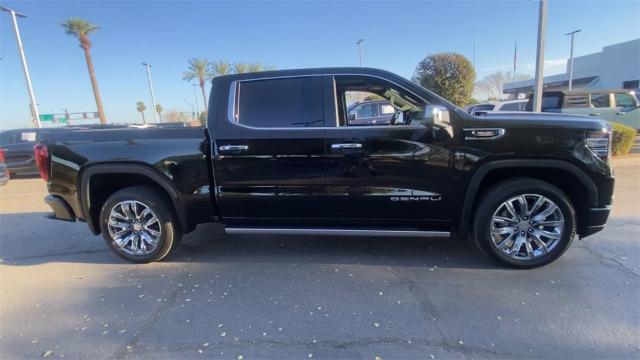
x: 396, y: 174
x: 269, y: 149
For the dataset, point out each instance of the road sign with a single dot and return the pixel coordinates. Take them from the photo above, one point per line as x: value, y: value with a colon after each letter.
x: 46, y: 117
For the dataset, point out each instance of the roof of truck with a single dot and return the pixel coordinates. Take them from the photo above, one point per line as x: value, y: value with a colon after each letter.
x: 309, y: 71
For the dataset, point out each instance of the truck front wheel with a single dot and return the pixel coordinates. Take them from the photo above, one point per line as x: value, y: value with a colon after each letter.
x: 138, y: 224
x: 524, y: 223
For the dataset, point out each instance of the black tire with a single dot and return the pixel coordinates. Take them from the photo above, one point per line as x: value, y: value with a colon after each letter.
x: 155, y: 200
x: 492, y: 199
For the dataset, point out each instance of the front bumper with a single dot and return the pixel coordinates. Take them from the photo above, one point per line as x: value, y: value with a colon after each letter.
x: 596, y: 220
x: 61, y: 210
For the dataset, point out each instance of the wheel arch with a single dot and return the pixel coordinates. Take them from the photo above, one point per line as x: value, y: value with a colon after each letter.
x: 142, y: 174
x: 559, y: 173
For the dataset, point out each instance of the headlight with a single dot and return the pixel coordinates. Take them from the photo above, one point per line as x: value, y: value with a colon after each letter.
x: 599, y: 142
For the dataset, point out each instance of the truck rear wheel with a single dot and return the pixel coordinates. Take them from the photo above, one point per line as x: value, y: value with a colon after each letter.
x: 524, y: 223
x: 139, y: 225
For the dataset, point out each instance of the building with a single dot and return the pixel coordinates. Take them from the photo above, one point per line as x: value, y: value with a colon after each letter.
x: 616, y: 66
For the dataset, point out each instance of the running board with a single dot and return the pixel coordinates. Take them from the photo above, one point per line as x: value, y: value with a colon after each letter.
x: 336, y: 232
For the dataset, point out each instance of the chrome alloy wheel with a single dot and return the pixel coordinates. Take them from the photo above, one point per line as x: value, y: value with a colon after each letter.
x: 527, y: 226
x: 134, y: 227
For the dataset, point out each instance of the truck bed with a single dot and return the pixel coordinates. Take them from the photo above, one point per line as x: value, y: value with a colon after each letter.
x: 177, y: 158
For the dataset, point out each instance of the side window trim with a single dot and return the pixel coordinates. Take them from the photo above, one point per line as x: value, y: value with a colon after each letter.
x: 388, y: 127
x: 234, y: 90
x: 234, y: 98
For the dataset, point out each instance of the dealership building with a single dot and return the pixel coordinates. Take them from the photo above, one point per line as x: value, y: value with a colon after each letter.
x: 616, y: 66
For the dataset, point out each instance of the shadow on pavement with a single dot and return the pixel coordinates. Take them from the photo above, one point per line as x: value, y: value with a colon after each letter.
x: 31, y: 239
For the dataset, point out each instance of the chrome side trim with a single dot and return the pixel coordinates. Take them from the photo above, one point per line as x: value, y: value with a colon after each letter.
x: 347, y: 146
x: 234, y: 89
x: 500, y: 134
x: 233, y: 148
x: 337, y: 232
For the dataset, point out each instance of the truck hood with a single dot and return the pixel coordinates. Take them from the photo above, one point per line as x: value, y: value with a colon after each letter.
x: 551, y: 120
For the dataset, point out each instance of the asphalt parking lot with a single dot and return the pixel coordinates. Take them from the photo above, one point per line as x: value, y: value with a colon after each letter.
x: 64, y: 295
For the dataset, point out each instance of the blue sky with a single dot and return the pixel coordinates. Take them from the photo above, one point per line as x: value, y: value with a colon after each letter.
x: 283, y: 34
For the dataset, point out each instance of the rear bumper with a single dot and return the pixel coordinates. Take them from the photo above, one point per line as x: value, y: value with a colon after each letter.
x: 61, y: 210
x: 596, y: 220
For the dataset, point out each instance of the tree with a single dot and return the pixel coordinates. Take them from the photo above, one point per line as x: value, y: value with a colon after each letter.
x: 176, y: 116
x: 449, y: 75
x: 159, y: 111
x: 202, y: 118
x: 255, y: 67
x: 81, y: 29
x: 199, y: 69
x: 222, y: 67
x: 141, y: 108
x: 492, y: 85
x: 240, y: 68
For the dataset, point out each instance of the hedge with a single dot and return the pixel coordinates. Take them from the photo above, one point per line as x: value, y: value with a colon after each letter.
x: 622, y: 139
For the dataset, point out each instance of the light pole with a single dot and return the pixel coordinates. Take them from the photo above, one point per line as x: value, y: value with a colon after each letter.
x: 359, y: 43
x: 153, y: 97
x: 542, y: 30
x: 571, y: 58
x: 25, y: 68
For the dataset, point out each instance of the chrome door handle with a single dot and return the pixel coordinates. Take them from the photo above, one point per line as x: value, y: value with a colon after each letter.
x: 347, y: 146
x: 233, y: 148
x: 595, y: 114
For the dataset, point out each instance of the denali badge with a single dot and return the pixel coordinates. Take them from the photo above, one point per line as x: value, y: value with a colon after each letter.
x: 417, y: 198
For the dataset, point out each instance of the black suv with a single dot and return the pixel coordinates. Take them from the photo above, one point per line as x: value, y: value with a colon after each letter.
x: 279, y: 156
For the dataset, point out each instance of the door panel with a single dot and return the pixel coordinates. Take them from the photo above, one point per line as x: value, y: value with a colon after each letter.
x: 394, y: 172
x: 271, y: 173
x: 274, y: 177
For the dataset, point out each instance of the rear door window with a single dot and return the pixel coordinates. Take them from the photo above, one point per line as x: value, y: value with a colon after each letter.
x: 600, y: 100
x: 550, y: 102
x: 485, y: 107
x: 280, y: 103
x: 27, y: 136
x: 576, y: 101
x: 366, y: 110
x: 518, y: 106
x: 7, y: 138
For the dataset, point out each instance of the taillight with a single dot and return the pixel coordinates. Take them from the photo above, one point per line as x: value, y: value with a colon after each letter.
x: 41, y: 155
x: 1, y: 156
x: 600, y: 143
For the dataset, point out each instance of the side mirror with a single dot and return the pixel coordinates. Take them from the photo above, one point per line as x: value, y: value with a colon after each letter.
x: 438, y: 118
x: 351, y: 116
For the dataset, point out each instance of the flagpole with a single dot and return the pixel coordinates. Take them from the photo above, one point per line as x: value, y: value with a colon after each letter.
x: 515, y: 62
x: 515, y: 59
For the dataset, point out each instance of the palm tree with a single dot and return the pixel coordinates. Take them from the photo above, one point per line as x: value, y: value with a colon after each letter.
x: 199, y: 69
x: 159, y: 111
x: 255, y: 67
x: 141, y: 108
x: 222, y: 67
x: 81, y: 29
x: 240, y: 68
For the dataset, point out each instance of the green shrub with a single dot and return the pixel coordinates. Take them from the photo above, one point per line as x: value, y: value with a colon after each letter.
x: 622, y: 139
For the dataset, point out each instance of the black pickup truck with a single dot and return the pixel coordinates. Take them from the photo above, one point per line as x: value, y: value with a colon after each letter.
x: 279, y: 157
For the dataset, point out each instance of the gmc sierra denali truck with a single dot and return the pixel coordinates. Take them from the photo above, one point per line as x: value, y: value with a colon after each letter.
x: 279, y: 156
